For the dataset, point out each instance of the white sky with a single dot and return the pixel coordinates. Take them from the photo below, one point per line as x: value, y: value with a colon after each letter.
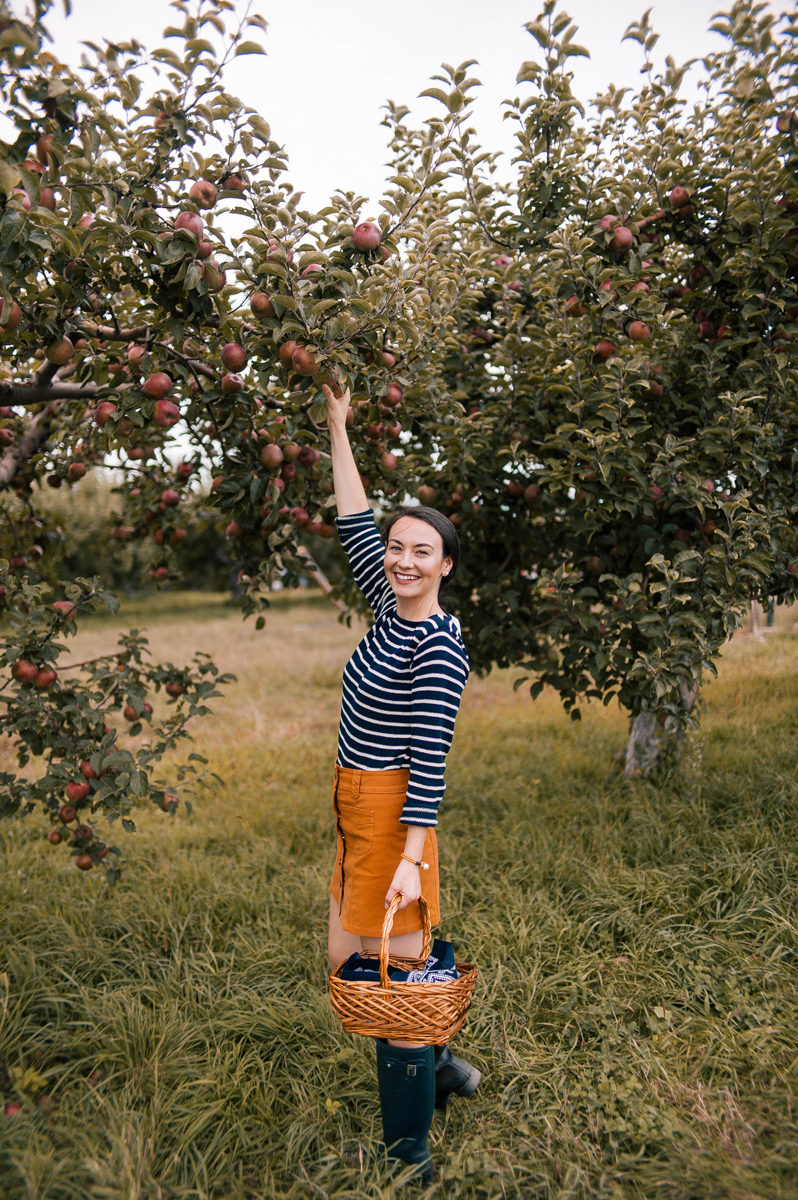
x: 332, y: 64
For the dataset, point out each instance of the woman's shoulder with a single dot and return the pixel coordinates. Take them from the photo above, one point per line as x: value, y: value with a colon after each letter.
x: 442, y: 629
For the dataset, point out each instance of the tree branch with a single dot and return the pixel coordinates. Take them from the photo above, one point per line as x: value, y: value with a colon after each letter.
x: 42, y: 393
x: 33, y: 438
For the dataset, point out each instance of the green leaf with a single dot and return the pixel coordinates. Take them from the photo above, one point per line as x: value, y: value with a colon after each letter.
x: 249, y: 48
x: 436, y: 94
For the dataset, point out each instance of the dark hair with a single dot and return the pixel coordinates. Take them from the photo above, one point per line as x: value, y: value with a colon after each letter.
x: 442, y: 524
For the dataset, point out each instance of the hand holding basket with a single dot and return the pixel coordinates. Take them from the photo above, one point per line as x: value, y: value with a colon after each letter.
x: 426, y: 1013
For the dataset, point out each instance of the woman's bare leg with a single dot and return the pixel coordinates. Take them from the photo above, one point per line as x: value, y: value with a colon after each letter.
x: 340, y: 943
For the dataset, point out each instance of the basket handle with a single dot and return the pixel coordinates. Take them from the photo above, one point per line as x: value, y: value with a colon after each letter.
x: 387, y: 926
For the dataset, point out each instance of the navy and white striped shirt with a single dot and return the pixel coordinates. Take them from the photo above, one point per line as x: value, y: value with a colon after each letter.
x: 402, y: 685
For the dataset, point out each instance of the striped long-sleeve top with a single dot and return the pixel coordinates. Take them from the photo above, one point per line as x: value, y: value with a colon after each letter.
x: 402, y: 685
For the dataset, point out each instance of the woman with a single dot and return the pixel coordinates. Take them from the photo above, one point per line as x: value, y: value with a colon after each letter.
x: 402, y: 688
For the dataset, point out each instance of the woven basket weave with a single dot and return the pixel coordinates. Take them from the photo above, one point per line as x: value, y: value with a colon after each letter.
x: 427, y: 1013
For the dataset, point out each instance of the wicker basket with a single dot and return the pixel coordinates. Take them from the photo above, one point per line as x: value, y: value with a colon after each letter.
x: 426, y: 1013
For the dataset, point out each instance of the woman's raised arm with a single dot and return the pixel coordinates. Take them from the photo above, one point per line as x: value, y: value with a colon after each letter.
x: 350, y: 495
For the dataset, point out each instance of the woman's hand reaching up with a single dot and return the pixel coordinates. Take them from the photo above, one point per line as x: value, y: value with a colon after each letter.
x: 337, y: 406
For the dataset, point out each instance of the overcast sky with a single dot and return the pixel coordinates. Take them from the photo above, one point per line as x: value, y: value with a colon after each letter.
x: 332, y: 64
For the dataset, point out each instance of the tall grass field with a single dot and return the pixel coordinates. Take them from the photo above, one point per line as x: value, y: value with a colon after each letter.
x: 636, y: 1014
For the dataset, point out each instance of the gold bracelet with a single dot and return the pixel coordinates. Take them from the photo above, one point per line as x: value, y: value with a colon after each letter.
x: 423, y: 865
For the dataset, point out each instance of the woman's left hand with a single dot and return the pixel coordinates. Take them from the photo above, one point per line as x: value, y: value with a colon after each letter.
x: 407, y: 880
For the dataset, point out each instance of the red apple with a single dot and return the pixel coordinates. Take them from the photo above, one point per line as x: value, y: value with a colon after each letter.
x: 271, y: 456
x: 47, y: 199
x: 157, y: 386
x: 312, y: 269
x: 623, y: 239
x: 231, y: 383
x: 174, y: 689
x: 54, y: 837
x: 388, y: 461
x: 166, y: 414
x: 532, y: 494
x: 44, y: 148
x: 12, y: 1109
x: 45, y: 678
x: 367, y: 236
x: 65, y: 609
x: 299, y: 516
x: 170, y: 497
x: 213, y: 275
x: 682, y: 535
x: 178, y: 537
x: 104, y: 411
x: 394, y: 395
x: 59, y: 352
x: 639, y: 331
x: 234, y: 356
x: 595, y: 564
x: 697, y: 273
x: 23, y: 198
x: 24, y: 671
x: 502, y: 262
x: 705, y: 330
x: 605, y: 349
x: 287, y: 353
x: 83, y: 862
x: 77, y: 791
x: 679, y: 197
x: 203, y: 193
x: 13, y: 318
x: 304, y: 362
x: 233, y: 531
x: 192, y: 222
x: 68, y: 812
x: 291, y: 451
x: 86, y: 221
x: 234, y: 182
x: 130, y: 713
x: 261, y: 305
x: 185, y: 470
x: 574, y: 308
x: 288, y: 471
x: 608, y: 222
x: 204, y: 250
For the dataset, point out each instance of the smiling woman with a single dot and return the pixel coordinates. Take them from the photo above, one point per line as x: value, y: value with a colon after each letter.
x: 401, y: 694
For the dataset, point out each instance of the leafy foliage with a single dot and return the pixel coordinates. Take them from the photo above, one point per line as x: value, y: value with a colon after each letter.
x: 590, y: 368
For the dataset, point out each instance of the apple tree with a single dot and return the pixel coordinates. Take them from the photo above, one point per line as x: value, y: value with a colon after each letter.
x: 618, y: 325
x: 169, y: 309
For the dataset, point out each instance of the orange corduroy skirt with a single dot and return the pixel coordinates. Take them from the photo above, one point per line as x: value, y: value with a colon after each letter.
x: 371, y: 841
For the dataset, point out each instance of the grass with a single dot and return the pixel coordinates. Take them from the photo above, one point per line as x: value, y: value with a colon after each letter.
x: 636, y: 1017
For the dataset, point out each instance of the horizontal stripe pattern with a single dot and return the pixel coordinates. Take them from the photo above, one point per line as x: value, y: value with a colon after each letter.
x: 402, y: 685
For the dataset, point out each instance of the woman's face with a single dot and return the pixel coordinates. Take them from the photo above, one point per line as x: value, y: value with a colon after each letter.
x: 414, y: 559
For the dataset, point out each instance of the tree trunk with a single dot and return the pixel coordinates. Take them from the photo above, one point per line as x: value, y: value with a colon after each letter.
x: 646, y: 738
x: 644, y: 746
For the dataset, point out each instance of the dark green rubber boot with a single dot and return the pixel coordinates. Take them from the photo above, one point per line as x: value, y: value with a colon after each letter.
x: 406, y: 1080
x: 453, y: 1075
